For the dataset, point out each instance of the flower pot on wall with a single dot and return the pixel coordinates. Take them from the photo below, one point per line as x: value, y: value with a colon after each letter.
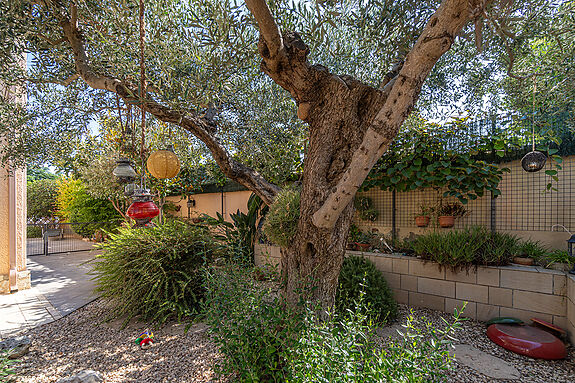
x: 446, y: 221
x: 422, y: 221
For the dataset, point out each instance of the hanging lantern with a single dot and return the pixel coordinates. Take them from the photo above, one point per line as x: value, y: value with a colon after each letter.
x: 164, y: 163
x: 129, y: 189
x: 143, y: 209
x: 571, y: 251
x: 533, y: 161
x: 124, y: 171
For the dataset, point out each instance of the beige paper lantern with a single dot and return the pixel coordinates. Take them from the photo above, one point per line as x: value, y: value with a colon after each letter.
x: 163, y: 164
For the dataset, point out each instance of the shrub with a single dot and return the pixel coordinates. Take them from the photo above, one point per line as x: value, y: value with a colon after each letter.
x: 358, y: 276
x: 155, y: 272
x: 41, y: 198
x: 532, y: 249
x: 6, y: 370
x: 343, y: 350
x: 252, y: 328
x: 281, y: 221
x: 472, y: 246
x: 76, y: 205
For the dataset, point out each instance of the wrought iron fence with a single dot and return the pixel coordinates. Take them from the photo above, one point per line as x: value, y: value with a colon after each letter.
x: 62, y: 237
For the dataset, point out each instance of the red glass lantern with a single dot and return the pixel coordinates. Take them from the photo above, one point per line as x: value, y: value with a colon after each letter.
x: 143, y: 209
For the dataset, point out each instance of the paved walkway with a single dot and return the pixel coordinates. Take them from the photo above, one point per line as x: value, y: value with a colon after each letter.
x: 60, y: 285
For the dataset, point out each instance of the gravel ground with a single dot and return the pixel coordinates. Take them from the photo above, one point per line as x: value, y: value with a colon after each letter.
x: 82, y: 341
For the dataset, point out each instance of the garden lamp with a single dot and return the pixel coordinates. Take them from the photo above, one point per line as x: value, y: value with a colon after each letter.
x: 124, y: 171
x: 143, y: 209
x: 163, y: 164
x: 570, y: 244
x: 533, y: 161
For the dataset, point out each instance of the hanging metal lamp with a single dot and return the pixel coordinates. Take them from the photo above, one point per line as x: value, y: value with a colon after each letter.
x: 124, y: 171
x: 163, y: 163
x: 142, y: 209
x: 534, y: 160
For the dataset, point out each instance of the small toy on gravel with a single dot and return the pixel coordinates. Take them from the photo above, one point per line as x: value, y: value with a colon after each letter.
x: 145, y: 339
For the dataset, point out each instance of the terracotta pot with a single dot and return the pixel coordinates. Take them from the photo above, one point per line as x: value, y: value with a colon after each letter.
x: 523, y: 261
x: 362, y: 246
x: 422, y: 221
x: 446, y: 221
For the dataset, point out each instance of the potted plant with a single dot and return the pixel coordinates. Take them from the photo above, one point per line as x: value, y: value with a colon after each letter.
x: 364, y: 241
x: 448, y: 212
x: 423, y: 217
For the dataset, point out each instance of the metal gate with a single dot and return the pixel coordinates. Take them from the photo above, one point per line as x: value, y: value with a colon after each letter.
x: 60, y: 237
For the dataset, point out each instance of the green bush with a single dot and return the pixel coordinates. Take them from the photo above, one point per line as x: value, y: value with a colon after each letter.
x: 251, y: 326
x: 281, y: 222
x: 155, y: 272
x: 6, y: 370
x: 76, y: 205
x: 472, y: 246
x: 34, y: 232
x: 343, y: 349
x: 359, y: 276
x: 41, y: 198
x: 532, y: 249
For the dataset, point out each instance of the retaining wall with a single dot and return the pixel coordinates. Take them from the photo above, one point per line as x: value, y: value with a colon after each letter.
x: 518, y: 291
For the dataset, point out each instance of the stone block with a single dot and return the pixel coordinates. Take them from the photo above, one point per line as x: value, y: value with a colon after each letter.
x: 401, y: 296
x: 571, y: 313
x: 426, y: 269
x: 527, y: 280
x: 470, y: 310
x: 487, y: 276
x: 4, y: 286
x: 472, y: 292
x: 571, y: 287
x: 560, y: 321
x: 400, y: 266
x: 382, y: 263
x: 487, y: 312
x: 541, y: 303
x: 392, y: 279
x: 559, y: 285
x: 524, y: 315
x: 23, y: 280
x: 500, y: 296
x: 467, y: 276
x: 433, y: 302
x: 409, y: 282
x: 436, y: 287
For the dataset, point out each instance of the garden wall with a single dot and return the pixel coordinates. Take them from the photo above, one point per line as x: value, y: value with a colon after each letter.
x: 225, y: 203
x: 518, y: 291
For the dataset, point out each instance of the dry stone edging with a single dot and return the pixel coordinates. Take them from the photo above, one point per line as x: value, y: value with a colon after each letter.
x: 16, y: 347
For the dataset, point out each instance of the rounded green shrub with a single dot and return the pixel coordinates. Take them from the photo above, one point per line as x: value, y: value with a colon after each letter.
x: 155, y: 273
x: 281, y: 221
x: 359, y: 276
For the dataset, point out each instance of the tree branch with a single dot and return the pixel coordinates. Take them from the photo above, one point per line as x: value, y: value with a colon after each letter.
x: 199, y: 127
x: 436, y: 39
x: 269, y: 31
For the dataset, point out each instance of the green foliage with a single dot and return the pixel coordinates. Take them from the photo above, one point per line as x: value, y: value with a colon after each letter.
x: 532, y: 249
x: 343, y: 349
x: 453, y: 209
x: 281, y: 222
x: 240, y: 234
x: 425, y: 156
x: 471, y: 246
x: 39, y: 173
x: 364, y: 205
x: 360, y: 278
x: 76, y: 205
x: 252, y: 327
x: 6, y: 370
x: 556, y: 256
x: 41, y: 199
x: 155, y: 273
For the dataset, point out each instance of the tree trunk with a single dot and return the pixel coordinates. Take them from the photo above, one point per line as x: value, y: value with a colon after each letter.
x: 338, y: 119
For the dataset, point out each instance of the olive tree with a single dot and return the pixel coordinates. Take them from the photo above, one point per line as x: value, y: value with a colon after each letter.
x: 341, y: 76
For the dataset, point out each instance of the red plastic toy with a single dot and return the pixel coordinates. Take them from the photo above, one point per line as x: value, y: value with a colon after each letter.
x: 527, y: 340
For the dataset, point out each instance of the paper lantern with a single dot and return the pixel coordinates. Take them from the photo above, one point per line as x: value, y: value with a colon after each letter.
x: 163, y: 164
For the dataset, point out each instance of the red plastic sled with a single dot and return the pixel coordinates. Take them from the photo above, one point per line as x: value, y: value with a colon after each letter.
x: 527, y: 340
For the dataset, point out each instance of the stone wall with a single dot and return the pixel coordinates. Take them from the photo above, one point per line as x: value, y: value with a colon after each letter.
x: 518, y: 291
x: 571, y: 307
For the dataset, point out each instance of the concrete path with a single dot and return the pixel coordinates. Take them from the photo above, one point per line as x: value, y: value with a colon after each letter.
x: 60, y: 285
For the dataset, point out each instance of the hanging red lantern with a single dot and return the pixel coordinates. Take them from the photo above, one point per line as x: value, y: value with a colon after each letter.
x: 143, y: 209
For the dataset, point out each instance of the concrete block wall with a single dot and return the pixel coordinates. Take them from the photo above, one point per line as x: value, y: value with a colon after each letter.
x: 571, y: 307
x: 518, y: 291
